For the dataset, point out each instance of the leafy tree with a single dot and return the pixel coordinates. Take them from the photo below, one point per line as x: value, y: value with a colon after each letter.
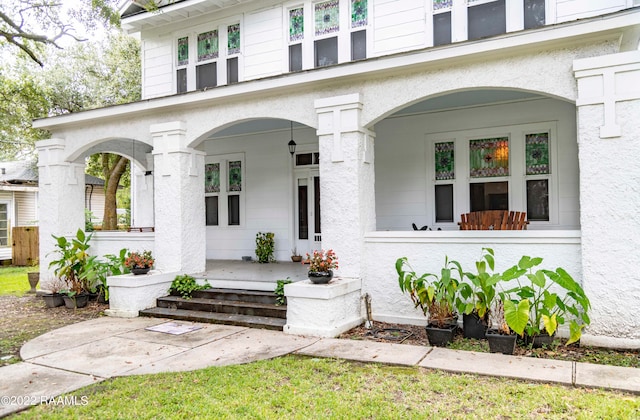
x: 31, y: 25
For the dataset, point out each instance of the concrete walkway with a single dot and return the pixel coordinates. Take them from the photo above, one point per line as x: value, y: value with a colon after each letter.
x: 78, y: 355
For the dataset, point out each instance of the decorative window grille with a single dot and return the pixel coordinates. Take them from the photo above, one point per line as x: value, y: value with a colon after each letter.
x: 208, y: 45
x: 233, y: 39
x: 183, y: 51
x: 212, y: 178
x: 327, y: 17
x: 537, y: 153
x: 444, y: 161
x: 296, y: 24
x: 489, y: 157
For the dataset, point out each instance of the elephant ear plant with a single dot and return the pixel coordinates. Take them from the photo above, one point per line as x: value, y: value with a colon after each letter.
x: 478, y: 295
x: 434, y: 295
x: 534, y: 306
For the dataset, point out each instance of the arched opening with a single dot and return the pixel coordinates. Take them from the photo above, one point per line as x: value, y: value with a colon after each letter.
x: 481, y: 149
x: 254, y: 182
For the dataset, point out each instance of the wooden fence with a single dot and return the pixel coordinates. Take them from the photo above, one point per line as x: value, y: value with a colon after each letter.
x: 25, y: 245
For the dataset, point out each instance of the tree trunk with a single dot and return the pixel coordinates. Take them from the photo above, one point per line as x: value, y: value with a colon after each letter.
x: 112, y: 169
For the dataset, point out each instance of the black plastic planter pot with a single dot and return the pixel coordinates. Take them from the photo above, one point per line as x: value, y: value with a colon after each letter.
x: 473, y: 326
x: 440, y: 337
x: 77, y: 301
x: 540, y: 340
x: 500, y: 343
x: 53, y: 300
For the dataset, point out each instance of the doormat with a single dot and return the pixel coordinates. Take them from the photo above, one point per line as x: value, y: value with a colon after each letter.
x: 173, y: 328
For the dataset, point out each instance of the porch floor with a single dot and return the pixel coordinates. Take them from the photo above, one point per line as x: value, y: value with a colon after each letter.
x: 251, y: 275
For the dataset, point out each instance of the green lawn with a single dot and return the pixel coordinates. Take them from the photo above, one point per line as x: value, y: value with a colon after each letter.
x: 13, y: 280
x: 301, y: 388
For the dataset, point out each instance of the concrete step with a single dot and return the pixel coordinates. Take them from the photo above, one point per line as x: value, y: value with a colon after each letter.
x: 216, y: 318
x: 227, y: 306
x: 256, y: 296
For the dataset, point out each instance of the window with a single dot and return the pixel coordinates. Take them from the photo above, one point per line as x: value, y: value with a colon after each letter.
x: 327, y: 22
x: 233, y: 50
x: 223, y: 187
x: 359, y: 20
x: 296, y: 36
x: 208, y: 52
x: 326, y: 52
x: 4, y: 224
x: 441, y: 21
x: 486, y: 19
x: 534, y: 13
x: 507, y: 168
x: 358, y: 45
x: 183, y: 62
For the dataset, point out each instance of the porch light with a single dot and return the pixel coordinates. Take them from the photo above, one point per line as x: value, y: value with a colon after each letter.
x: 292, y: 144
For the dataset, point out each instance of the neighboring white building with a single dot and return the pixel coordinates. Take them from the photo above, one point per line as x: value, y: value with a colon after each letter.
x: 403, y: 111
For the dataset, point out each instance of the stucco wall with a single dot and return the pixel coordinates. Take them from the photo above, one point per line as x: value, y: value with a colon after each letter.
x: 426, y: 253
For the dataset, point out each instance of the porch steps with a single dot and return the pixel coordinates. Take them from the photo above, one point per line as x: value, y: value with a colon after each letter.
x: 247, y: 308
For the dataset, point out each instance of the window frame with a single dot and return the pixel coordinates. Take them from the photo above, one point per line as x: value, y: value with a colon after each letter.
x: 223, y: 195
x: 517, y: 178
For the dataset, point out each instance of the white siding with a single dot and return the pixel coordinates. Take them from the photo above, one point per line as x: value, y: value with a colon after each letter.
x: 26, y: 208
x: 95, y: 203
x: 579, y: 9
x: 263, y: 43
x: 399, y: 25
x: 157, y: 68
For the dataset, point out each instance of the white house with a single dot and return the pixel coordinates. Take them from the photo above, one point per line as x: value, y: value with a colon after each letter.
x: 403, y: 111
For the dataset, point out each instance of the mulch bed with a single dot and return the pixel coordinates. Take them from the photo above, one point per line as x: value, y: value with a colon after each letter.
x: 411, y: 334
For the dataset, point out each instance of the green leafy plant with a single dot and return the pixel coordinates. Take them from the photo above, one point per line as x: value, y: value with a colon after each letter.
x: 265, y: 246
x: 434, y: 294
x: 535, y: 307
x: 97, y: 271
x: 279, y: 292
x: 72, y: 261
x: 478, y: 295
x: 185, y: 285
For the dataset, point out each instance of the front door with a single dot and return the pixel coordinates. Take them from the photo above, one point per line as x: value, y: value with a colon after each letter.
x: 308, y: 229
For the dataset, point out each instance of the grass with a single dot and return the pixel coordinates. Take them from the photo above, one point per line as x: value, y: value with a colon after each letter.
x: 13, y: 281
x: 301, y: 387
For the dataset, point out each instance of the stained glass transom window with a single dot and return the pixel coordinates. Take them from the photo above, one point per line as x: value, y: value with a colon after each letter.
x: 212, y: 178
x: 489, y: 157
x: 233, y: 39
x: 208, y: 45
x: 327, y: 17
x: 358, y: 13
x: 296, y: 24
x: 442, y: 4
x: 183, y: 51
x: 537, y: 153
x: 444, y: 160
x: 235, y: 175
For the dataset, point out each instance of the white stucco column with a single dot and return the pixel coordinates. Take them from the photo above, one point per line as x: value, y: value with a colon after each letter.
x: 180, y: 241
x: 346, y: 180
x: 142, y: 206
x: 609, y: 146
x: 60, y: 199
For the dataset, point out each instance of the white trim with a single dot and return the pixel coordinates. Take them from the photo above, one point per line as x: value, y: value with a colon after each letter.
x: 477, y: 237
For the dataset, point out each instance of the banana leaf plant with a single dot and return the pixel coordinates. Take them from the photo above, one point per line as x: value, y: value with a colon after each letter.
x: 534, y: 306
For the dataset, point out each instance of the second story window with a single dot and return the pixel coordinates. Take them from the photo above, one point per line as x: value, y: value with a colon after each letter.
x: 486, y: 18
x: 296, y: 36
x: 183, y: 62
x: 233, y: 51
x: 359, y: 15
x: 327, y: 26
x: 207, y: 67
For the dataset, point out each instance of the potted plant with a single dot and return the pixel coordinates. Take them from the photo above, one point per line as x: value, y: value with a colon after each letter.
x: 535, y: 306
x: 265, y: 246
x: 139, y: 262
x: 70, y: 267
x: 321, y: 266
x: 295, y: 257
x: 54, y: 298
x: 435, y: 295
x: 477, y: 296
x: 97, y: 271
x: 499, y: 335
